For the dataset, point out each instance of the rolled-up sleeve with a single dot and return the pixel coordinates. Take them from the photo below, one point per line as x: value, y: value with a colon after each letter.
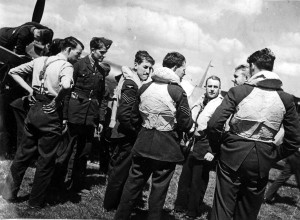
x: 24, y: 69
x: 66, y: 73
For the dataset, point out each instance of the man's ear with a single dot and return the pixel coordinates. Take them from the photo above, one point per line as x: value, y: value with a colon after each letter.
x: 135, y: 65
x: 69, y: 49
x: 174, y: 68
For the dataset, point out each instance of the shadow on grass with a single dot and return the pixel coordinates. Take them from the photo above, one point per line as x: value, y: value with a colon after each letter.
x: 285, y: 200
x: 23, y: 198
x: 93, y: 178
x: 205, y: 209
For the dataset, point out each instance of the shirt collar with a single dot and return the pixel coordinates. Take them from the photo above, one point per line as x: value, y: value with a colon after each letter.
x: 61, y: 56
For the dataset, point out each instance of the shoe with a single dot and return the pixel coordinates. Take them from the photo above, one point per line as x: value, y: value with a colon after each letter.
x: 189, y: 217
x: 33, y: 208
x: 269, y: 200
x: 12, y: 199
x: 84, y: 192
x: 179, y: 209
x: 37, y: 207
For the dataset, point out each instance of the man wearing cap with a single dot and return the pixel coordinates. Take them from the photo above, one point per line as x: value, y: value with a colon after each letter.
x: 85, y: 107
x: 17, y: 38
x: 247, y: 151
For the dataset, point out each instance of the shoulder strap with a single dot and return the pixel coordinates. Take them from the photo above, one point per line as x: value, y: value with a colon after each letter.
x: 42, y: 73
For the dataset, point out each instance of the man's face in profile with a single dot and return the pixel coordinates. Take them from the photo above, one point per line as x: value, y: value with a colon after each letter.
x: 180, y: 71
x: 239, y: 78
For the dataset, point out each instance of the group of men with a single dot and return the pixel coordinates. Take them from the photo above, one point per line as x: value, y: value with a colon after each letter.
x: 150, y: 118
x: 64, y: 93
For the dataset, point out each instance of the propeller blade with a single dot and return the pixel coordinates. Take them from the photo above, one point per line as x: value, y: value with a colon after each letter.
x: 38, y: 11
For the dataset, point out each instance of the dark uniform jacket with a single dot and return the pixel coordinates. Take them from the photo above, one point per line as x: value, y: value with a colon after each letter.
x: 18, y: 37
x: 123, y: 127
x: 234, y: 148
x: 85, y: 105
x: 163, y: 145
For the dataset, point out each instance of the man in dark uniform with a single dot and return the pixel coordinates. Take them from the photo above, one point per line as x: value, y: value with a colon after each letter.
x: 292, y: 166
x: 51, y: 79
x: 123, y: 133
x: 85, y: 107
x: 247, y: 152
x: 17, y: 38
x: 163, y: 111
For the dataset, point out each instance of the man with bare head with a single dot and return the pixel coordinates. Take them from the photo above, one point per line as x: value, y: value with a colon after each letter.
x: 258, y: 107
x: 241, y: 74
x: 194, y: 177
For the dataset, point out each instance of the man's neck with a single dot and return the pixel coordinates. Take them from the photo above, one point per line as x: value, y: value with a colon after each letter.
x: 64, y: 54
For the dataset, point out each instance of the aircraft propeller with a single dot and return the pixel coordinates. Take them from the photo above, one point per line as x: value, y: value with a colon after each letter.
x: 38, y: 11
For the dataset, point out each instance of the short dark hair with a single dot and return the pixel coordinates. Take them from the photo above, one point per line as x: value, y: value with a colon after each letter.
x: 70, y: 42
x: 55, y: 47
x: 214, y: 78
x: 143, y: 55
x: 173, y: 59
x: 46, y: 35
x: 263, y: 59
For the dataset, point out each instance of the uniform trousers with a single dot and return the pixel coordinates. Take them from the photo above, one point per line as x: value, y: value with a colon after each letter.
x: 239, y: 194
x: 42, y: 133
x: 292, y: 166
x: 139, y: 173
x: 80, y: 139
x: 192, y: 185
x: 20, y: 110
x: 119, y: 167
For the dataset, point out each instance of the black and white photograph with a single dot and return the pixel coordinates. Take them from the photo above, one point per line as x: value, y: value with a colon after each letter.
x: 157, y: 110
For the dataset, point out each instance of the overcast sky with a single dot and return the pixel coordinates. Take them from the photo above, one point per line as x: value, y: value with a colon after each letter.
x: 224, y: 31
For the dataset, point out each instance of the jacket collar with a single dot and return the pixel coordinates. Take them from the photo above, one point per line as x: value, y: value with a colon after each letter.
x: 165, y: 75
x: 265, y: 79
x: 129, y: 74
x: 88, y: 63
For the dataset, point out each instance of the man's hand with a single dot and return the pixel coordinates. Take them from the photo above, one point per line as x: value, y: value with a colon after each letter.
x: 208, y: 156
x: 51, y: 107
x: 30, y: 99
x: 64, y: 126
x: 100, y: 128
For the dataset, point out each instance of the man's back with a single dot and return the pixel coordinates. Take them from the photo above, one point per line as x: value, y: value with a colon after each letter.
x: 258, y: 113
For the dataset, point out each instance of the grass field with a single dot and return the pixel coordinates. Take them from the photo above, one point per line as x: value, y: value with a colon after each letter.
x: 89, y: 205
